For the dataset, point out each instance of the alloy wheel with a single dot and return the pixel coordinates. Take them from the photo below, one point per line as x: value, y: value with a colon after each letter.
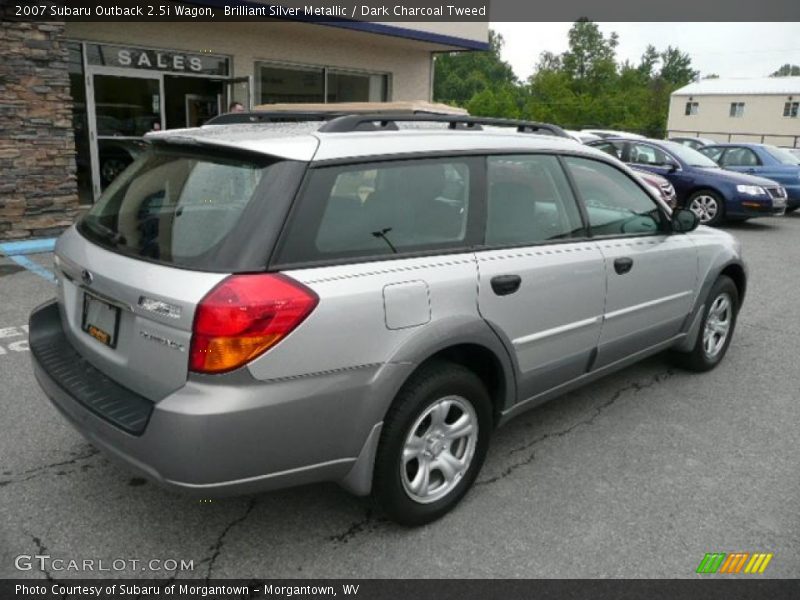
x: 705, y: 207
x: 439, y: 449
x: 718, y: 325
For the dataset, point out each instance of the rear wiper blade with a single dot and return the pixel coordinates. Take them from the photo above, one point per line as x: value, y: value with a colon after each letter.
x: 113, y: 237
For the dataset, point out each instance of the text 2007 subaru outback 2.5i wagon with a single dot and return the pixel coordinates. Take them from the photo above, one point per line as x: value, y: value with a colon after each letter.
x: 256, y: 306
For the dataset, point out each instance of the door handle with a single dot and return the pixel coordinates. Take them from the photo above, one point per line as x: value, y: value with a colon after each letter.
x: 623, y: 265
x: 506, y: 284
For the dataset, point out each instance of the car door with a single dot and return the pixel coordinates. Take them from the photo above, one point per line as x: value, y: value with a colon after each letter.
x: 541, y: 281
x: 651, y: 273
x: 741, y: 159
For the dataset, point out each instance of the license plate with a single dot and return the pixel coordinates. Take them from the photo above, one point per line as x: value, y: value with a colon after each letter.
x: 100, y: 320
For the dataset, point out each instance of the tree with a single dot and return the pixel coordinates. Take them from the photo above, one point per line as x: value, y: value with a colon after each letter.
x: 460, y: 76
x: 787, y: 70
x: 590, y: 60
x: 676, y: 67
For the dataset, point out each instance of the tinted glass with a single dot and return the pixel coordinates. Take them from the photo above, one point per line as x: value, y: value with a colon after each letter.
x: 614, y: 202
x: 740, y: 157
x: 380, y: 209
x: 174, y: 208
x: 529, y: 201
x: 290, y: 84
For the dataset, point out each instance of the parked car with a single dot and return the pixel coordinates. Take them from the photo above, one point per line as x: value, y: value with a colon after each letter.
x: 763, y: 160
x: 693, y: 142
x: 712, y: 193
x: 582, y: 136
x: 660, y: 185
x: 793, y: 151
x: 234, y: 315
x: 610, y: 133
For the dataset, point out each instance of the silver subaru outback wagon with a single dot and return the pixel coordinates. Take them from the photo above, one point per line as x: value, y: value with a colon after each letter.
x: 364, y: 300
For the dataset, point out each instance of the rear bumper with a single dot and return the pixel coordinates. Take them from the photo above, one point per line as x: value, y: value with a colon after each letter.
x: 229, y: 434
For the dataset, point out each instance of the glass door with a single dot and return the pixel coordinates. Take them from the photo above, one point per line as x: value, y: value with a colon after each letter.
x: 125, y: 108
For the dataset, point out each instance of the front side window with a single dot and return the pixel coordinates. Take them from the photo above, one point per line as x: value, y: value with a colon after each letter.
x: 529, y: 201
x: 615, y: 204
x: 692, y: 108
x: 379, y: 209
x: 643, y: 154
x: 740, y: 157
x: 737, y: 109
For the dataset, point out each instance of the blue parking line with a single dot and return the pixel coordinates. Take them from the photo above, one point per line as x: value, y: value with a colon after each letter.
x: 35, y: 268
x: 28, y: 247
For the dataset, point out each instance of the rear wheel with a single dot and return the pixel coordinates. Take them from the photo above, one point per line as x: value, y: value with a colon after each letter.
x: 716, y: 328
x: 708, y: 206
x: 433, y: 443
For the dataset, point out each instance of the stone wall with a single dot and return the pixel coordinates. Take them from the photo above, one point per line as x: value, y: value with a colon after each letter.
x: 38, y: 190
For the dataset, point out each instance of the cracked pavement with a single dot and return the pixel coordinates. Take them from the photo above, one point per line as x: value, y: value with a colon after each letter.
x: 637, y: 475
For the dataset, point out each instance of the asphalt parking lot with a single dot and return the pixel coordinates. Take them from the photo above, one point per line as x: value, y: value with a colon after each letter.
x: 638, y: 475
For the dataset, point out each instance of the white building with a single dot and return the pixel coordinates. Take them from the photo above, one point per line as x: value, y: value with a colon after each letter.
x: 764, y: 110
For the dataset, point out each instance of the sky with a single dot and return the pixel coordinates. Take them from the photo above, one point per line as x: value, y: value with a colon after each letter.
x: 727, y: 49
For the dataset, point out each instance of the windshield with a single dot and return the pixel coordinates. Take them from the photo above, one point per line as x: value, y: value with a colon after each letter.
x: 178, y: 207
x: 782, y: 156
x: 690, y: 156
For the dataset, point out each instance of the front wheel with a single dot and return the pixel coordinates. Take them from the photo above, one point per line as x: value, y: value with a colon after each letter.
x: 708, y: 206
x: 716, y: 328
x: 433, y: 443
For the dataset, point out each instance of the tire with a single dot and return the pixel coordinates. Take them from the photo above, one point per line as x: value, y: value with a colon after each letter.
x: 706, y: 353
x: 708, y: 206
x: 439, y: 394
x: 791, y: 209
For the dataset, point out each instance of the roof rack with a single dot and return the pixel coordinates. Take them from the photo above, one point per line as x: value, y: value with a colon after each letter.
x: 262, y: 116
x: 343, y: 122
x: 388, y: 121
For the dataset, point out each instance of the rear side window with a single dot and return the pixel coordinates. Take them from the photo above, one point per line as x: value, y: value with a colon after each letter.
x: 615, y: 204
x: 181, y: 208
x: 643, y: 154
x: 529, y: 201
x: 740, y: 157
x: 713, y: 153
x: 380, y: 209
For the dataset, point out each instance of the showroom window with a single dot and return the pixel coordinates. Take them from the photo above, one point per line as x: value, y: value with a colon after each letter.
x: 737, y: 109
x: 691, y: 108
x: 290, y: 83
x: 791, y: 109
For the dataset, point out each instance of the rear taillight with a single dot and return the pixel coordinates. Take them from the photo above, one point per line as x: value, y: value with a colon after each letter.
x: 243, y: 317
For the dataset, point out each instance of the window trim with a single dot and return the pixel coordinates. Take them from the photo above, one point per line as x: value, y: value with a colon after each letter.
x: 325, y: 68
x: 787, y: 109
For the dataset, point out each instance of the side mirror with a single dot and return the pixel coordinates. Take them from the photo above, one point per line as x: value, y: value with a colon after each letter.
x: 684, y: 220
x: 670, y: 166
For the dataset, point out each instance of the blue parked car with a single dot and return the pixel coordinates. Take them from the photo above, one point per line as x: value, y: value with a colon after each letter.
x: 712, y: 193
x: 763, y: 160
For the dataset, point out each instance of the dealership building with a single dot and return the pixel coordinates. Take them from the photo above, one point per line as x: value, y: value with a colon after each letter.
x: 761, y: 110
x: 76, y: 97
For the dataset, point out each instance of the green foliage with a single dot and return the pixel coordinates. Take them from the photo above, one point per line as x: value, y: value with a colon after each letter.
x: 787, y: 70
x: 585, y: 86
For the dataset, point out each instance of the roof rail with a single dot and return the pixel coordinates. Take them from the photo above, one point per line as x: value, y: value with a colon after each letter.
x: 388, y: 121
x: 262, y: 116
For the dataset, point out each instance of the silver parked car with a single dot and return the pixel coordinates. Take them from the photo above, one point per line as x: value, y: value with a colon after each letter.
x: 364, y: 299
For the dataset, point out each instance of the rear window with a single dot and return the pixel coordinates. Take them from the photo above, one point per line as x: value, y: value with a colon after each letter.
x: 186, y: 208
x: 381, y: 209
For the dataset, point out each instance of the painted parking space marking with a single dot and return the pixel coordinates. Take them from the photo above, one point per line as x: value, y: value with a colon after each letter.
x: 13, y: 338
x: 34, y: 267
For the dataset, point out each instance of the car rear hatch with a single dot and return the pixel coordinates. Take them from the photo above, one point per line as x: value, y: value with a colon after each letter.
x: 162, y: 236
